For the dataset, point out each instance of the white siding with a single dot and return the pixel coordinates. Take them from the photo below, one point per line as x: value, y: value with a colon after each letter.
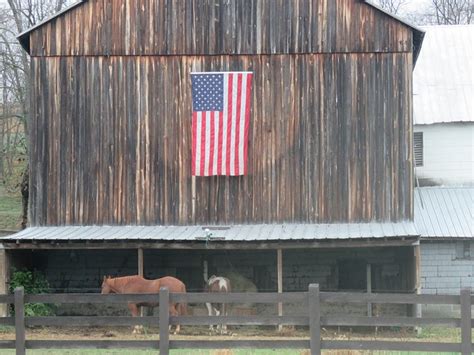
x: 448, y: 153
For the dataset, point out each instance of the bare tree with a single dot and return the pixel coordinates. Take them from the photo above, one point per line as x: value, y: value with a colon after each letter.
x: 444, y: 12
x: 451, y: 12
x: 15, y: 17
x: 393, y: 6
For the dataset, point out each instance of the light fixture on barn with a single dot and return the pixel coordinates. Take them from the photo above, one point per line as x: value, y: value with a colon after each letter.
x: 209, y: 235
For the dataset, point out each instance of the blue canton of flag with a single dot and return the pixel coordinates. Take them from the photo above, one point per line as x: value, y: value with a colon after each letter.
x: 208, y: 92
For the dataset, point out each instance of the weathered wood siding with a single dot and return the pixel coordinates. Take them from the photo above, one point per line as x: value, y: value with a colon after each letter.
x: 330, y: 140
x: 198, y: 27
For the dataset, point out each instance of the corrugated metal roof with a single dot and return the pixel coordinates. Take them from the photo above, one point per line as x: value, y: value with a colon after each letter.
x: 443, y: 79
x: 444, y: 212
x: 239, y: 233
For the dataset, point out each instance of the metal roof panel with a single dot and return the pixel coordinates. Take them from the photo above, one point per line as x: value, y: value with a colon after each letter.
x: 257, y: 232
x: 444, y: 212
x: 443, y: 84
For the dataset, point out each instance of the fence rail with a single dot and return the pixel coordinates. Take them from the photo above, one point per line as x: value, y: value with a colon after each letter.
x: 312, y: 300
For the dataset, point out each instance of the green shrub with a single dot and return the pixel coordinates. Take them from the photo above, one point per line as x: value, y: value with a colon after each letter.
x: 33, y: 282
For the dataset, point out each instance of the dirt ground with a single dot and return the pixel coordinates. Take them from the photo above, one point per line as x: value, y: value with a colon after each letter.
x: 236, y: 333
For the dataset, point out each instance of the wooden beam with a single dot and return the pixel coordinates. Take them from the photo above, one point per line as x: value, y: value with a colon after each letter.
x: 369, y: 288
x: 280, y: 282
x: 141, y: 273
x: 213, y: 245
x: 193, y: 198
x: 4, y: 277
x: 417, y: 281
x: 141, y: 270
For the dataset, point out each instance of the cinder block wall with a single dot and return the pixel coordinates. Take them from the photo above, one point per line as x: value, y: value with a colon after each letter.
x: 445, y: 270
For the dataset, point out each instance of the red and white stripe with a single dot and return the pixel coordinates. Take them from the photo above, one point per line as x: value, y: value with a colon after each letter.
x: 220, y: 138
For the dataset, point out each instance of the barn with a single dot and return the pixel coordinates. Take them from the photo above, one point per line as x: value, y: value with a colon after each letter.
x: 326, y: 195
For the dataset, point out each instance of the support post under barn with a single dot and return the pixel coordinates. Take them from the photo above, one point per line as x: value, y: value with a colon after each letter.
x: 280, y: 282
x: 417, y: 274
x: 369, y: 288
x: 141, y: 272
x: 4, y: 275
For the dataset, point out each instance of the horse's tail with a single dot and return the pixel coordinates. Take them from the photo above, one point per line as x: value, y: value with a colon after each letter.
x: 183, y: 307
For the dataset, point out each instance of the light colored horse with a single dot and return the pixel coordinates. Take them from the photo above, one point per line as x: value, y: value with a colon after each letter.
x: 137, y: 284
x: 217, y: 284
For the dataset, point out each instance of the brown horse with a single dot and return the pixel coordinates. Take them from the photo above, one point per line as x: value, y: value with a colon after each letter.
x: 137, y: 284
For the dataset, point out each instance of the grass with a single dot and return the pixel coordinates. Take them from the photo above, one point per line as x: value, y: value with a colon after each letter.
x: 10, y: 210
x: 452, y: 334
x: 209, y: 352
x: 154, y: 352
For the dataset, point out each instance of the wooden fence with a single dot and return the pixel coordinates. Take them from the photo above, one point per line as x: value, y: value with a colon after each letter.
x: 312, y: 300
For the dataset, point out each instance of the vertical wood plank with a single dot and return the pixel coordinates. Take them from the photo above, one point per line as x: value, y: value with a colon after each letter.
x: 164, y: 316
x: 141, y: 270
x: 280, y: 282
x: 314, y: 309
x: 20, y: 321
x: 417, y: 281
x: 466, y: 332
x: 369, y: 288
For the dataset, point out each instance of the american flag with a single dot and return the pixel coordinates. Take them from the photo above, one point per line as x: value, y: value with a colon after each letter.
x: 221, y: 111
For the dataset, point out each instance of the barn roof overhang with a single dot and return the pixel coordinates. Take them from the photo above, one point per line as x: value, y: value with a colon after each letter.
x: 260, y: 236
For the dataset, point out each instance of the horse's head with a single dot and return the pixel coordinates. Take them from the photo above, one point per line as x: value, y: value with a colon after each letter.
x: 106, y: 288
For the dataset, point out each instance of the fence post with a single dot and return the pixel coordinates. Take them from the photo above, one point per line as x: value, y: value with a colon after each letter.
x: 20, y: 321
x: 314, y: 308
x: 466, y: 336
x: 164, y: 317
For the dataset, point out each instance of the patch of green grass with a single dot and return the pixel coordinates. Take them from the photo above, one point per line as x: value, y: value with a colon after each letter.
x: 447, y: 334
x: 407, y: 353
x: 7, y: 329
x: 205, y: 352
x: 10, y: 210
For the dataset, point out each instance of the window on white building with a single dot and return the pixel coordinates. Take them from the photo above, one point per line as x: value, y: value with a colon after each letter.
x: 463, y: 250
x: 418, y: 142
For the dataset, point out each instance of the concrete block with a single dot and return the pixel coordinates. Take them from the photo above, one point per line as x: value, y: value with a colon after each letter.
x: 448, y: 291
x: 429, y: 291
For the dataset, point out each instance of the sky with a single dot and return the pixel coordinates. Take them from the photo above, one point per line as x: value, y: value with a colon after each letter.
x: 414, y: 5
